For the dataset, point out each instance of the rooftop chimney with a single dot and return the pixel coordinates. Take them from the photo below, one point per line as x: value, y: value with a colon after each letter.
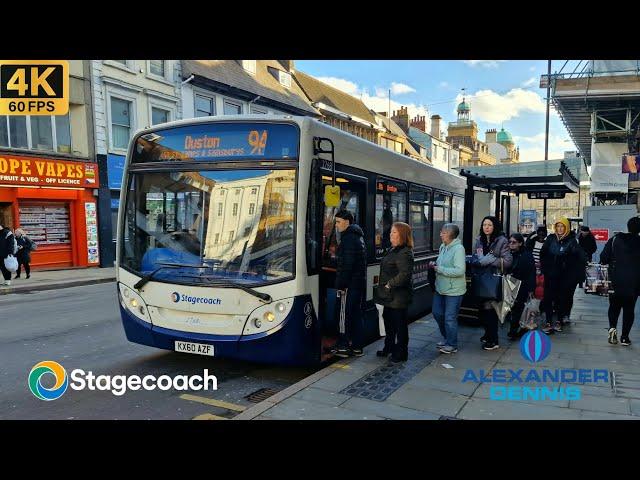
x: 435, y: 126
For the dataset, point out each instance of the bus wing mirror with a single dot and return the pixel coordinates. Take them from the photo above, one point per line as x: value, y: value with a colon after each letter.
x: 332, y: 195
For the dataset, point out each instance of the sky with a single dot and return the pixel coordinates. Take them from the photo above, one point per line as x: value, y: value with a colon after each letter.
x: 500, y: 92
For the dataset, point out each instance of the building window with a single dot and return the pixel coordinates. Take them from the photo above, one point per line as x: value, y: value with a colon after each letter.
x: 254, y: 191
x: 231, y: 234
x: 120, y: 122
x: 63, y: 134
x: 220, y: 209
x: 256, y: 110
x: 157, y: 67
x: 232, y: 108
x: 159, y: 115
x: 205, y: 106
x: 49, y: 133
x: 235, y: 209
x: 247, y: 231
x: 249, y: 66
x: 216, y: 238
x: 4, y: 131
x: 284, y: 78
x: 41, y: 133
x: 123, y: 62
x: 237, y: 191
x: 252, y: 208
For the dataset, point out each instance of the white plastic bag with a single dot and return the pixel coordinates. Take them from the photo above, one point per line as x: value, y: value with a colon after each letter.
x: 380, y: 308
x: 531, y: 317
x: 11, y: 263
x: 510, y: 289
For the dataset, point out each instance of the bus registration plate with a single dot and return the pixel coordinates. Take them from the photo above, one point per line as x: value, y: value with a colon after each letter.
x: 197, y: 348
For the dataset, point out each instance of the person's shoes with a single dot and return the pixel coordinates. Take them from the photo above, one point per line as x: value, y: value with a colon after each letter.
x: 17, y: 276
x: 28, y: 276
x: 343, y: 352
x: 512, y: 335
x: 357, y: 352
x: 7, y: 283
x: 441, y: 344
x: 557, y: 326
x: 547, y: 328
x: 490, y: 346
x: 566, y: 321
x: 398, y: 359
x: 448, y: 349
x: 483, y: 339
x: 625, y: 341
x: 383, y: 353
x: 613, y: 336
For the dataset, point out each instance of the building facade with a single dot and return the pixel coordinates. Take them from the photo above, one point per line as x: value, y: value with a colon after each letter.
x: 49, y: 179
x: 502, y: 146
x: 464, y: 133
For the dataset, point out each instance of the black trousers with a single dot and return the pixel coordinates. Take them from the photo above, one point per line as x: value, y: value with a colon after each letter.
x: 350, y: 319
x: 5, y: 273
x: 627, y: 305
x: 557, y: 298
x: 27, y: 266
x: 516, y: 313
x: 396, y: 327
x: 490, y: 321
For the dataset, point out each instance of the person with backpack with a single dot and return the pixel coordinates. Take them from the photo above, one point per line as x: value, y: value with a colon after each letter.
x: 622, y: 254
x: 25, y: 247
x: 8, y: 247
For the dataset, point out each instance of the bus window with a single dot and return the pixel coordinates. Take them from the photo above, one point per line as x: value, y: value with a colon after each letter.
x: 441, y: 215
x: 419, y: 203
x: 391, y: 201
x: 457, y: 213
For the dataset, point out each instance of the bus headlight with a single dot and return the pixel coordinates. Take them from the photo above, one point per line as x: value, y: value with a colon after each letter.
x: 257, y: 323
x: 267, y: 317
x: 133, y: 303
x: 280, y: 307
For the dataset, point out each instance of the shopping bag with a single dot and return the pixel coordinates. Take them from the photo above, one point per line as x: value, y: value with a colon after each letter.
x: 531, y: 317
x: 11, y: 263
x: 510, y: 289
x: 597, y: 280
x: 486, y: 284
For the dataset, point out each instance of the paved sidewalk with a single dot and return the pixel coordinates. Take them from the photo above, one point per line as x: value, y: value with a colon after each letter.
x: 427, y: 388
x: 54, y: 279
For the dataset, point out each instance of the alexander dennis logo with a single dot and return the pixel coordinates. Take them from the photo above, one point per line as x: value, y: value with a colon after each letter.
x: 177, y: 297
x: 41, y: 369
x: 535, y: 346
x: 529, y: 385
x: 116, y: 384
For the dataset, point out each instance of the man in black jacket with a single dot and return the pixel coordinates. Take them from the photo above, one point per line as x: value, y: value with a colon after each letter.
x: 622, y: 254
x: 351, y: 283
x: 587, y: 241
x: 7, y: 242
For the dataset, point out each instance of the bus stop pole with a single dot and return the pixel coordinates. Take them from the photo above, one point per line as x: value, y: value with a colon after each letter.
x: 546, y: 136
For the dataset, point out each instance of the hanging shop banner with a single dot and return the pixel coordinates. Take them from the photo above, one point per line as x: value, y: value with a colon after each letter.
x: 16, y: 170
x: 92, y: 232
x: 528, y: 221
x: 631, y: 165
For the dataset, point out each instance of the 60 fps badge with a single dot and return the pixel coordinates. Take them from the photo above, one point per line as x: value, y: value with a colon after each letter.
x: 34, y: 87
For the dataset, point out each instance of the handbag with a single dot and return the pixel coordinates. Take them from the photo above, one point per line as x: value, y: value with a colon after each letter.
x: 382, y: 295
x: 486, y: 283
x: 431, y: 278
x: 11, y: 263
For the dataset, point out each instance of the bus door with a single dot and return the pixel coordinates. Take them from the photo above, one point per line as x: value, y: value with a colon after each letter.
x: 353, y: 191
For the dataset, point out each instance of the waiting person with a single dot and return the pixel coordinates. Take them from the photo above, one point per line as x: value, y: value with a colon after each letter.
x: 396, y: 270
x: 351, y: 281
x: 25, y: 247
x: 524, y: 269
x: 622, y: 254
x: 587, y: 241
x: 563, y: 265
x: 7, y: 244
x: 451, y: 285
x: 534, y: 244
x: 492, y: 249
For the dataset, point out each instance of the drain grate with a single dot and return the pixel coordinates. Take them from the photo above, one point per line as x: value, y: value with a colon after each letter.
x: 260, y: 395
x: 385, y: 380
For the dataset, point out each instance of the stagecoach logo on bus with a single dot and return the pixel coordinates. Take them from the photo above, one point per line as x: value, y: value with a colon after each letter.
x: 177, y: 297
x: 116, y: 384
x: 511, y: 384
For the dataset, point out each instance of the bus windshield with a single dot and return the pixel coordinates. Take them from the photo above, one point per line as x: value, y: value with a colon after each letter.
x: 229, y: 225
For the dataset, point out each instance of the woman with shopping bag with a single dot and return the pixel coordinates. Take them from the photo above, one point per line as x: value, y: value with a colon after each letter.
x: 492, y: 256
x: 524, y: 269
x: 8, y: 248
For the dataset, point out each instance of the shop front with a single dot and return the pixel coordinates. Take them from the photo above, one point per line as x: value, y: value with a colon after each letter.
x: 53, y: 201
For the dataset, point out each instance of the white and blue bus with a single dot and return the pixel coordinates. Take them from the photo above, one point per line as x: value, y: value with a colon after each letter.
x: 226, y: 240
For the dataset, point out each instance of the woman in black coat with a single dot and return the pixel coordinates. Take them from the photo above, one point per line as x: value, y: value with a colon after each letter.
x: 396, y: 270
x: 524, y: 269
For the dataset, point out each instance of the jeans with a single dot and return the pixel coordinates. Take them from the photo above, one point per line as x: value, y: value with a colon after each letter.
x: 445, y: 311
x: 627, y: 305
x: 396, y: 326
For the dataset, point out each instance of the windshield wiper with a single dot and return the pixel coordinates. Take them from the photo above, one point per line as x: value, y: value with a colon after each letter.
x: 144, y: 280
x: 265, y: 297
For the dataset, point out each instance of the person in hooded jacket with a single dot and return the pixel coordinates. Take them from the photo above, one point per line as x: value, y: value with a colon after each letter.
x: 563, y: 265
x: 491, y: 250
x: 7, y: 241
x: 622, y: 254
x: 351, y: 279
x: 524, y: 269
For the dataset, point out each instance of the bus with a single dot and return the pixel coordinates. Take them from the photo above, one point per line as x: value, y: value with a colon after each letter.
x: 226, y: 235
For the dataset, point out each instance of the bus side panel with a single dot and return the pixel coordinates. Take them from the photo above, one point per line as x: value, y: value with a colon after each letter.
x: 296, y: 343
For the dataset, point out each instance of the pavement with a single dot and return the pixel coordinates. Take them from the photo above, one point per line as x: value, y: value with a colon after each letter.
x: 54, y: 279
x: 429, y: 386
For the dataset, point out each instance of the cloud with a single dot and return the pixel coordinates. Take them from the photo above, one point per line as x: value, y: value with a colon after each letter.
x: 400, y: 88
x: 491, y: 107
x: 531, y: 82
x: 342, y: 84
x: 532, y: 147
x: 443, y: 85
x: 484, y: 63
x: 532, y: 69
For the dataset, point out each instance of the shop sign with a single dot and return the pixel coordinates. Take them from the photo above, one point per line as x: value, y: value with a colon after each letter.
x: 17, y: 170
